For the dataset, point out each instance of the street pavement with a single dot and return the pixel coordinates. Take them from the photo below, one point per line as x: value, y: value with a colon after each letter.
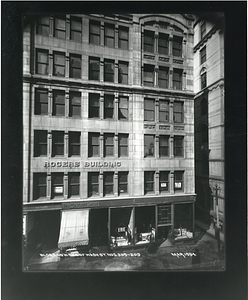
x: 163, y: 257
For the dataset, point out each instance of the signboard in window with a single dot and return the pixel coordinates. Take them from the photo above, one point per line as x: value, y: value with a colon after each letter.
x: 163, y: 184
x: 58, y: 190
x: 121, y: 229
x: 178, y: 185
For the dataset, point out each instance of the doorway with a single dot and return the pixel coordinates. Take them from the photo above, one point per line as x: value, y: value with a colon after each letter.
x: 98, y: 227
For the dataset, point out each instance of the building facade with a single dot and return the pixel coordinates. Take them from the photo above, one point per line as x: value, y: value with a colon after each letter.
x: 108, y: 123
x: 209, y: 121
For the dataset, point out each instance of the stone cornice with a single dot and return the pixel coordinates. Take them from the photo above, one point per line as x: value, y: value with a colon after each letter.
x: 206, y: 37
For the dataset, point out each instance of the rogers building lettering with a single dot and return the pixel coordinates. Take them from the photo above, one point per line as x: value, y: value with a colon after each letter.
x: 102, y: 164
x: 87, y: 164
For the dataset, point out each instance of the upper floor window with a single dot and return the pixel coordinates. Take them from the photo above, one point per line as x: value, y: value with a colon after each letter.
x: 108, y: 106
x: 149, y: 181
x: 122, y: 182
x: 59, y: 64
x: 59, y: 27
x: 203, y: 80
x: 73, y: 184
x: 57, y: 184
x: 149, y: 110
x: 178, y: 146
x: 163, y: 146
x: 123, y: 37
x: 149, y: 41
x: 177, y: 46
x: 203, y: 55
x: 58, y: 103
x: 42, y: 62
x: 108, y: 183
x: 109, y: 70
x: 95, y: 32
x: 148, y: 75
x: 109, y: 35
x: 75, y: 104
x: 75, y: 66
x: 123, y: 108
x: 123, y: 72
x: 94, y: 144
x: 178, y: 181
x: 108, y: 144
x: 163, y: 181
x: 203, y: 29
x: 94, y: 68
x: 42, y: 26
x: 163, y: 44
x: 178, y: 112
x: 57, y: 143
x: 76, y: 29
x: 123, y: 144
x: 177, y: 79
x: 41, y: 102
x: 40, y: 143
x: 74, y: 143
x: 94, y: 105
x: 93, y: 184
x: 39, y: 185
x: 163, y: 77
x: 163, y: 111
x: 148, y: 145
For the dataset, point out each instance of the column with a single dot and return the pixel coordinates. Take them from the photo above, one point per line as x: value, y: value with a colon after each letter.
x: 116, y: 36
x: 67, y: 27
x: 66, y: 141
x: 193, y: 215
x: 50, y: 102
x: 116, y: 104
x: 142, y: 75
x: 156, y: 183
x: 67, y: 65
x: 170, y: 46
x: 49, y: 144
x: 66, y: 196
x: 184, y: 40
x: 156, y: 222
x: 101, y: 145
x: 156, y: 146
x: 109, y: 225
x: 101, y: 106
x: 67, y: 103
x: 170, y: 83
x: 172, y: 183
x: 116, y: 145
x: 171, y: 108
x: 156, y: 110
x: 116, y: 184
x: 101, y: 184
x: 49, y: 179
x: 102, y: 33
x: 101, y: 70
x: 173, y: 221
x: 51, y: 23
x: 156, y: 69
x: 156, y: 36
x: 171, y: 146
x: 184, y: 80
x: 50, y: 63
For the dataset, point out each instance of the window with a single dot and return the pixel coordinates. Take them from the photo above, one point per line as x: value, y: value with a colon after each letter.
x: 149, y: 41
x: 74, y: 184
x: 95, y: 32
x: 163, y: 44
x: 94, y: 144
x: 93, y: 184
x: 40, y: 143
x: 108, y: 106
x: 163, y: 77
x: 43, y: 26
x: 163, y: 181
x: 177, y: 46
x: 74, y: 143
x: 149, y: 182
x: 94, y: 68
x: 75, y: 66
x: 203, y: 80
x: 163, y: 145
x: 163, y: 111
x: 149, y: 75
x: 178, y: 146
x: 178, y: 180
x: 164, y: 214
x: 177, y: 79
x: 59, y: 27
x: 203, y: 29
x: 75, y: 104
x: 94, y: 105
x: 149, y: 145
x: 204, y: 106
x: 76, y: 29
x: 149, y: 110
x: 123, y: 72
x: 109, y: 35
x: 123, y: 37
x: 178, y: 112
x: 108, y: 183
x: 109, y: 70
x: 123, y: 183
x: 123, y: 108
x: 58, y: 143
x: 58, y: 103
x: 59, y: 64
x: 57, y: 185
x: 108, y: 144
x: 42, y: 62
x: 39, y: 185
x: 41, y: 102
x: 203, y: 55
x: 123, y: 145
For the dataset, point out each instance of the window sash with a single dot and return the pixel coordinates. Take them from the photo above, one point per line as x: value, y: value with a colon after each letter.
x: 75, y: 66
x: 39, y: 185
x: 203, y: 55
x: 109, y: 107
x: 149, y: 41
x: 93, y: 184
x: 163, y: 111
x: 178, y: 184
x: 149, y: 110
x: 43, y: 26
x: 76, y: 29
x: 177, y: 80
x: 163, y: 146
x: 123, y: 73
x: 149, y: 145
x: 148, y: 75
x: 57, y: 181
x: 178, y: 146
x: 94, y: 144
x: 41, y: 102
x: 163, y: 44
x: 94, y: 105
x: 40, y: 143
x: 108, y: 144
x: 123, y: 108
x: 177, y: 47
x: 74, y: 143
x: 108, y: 183
x: 59, y: 28
x: 109, y: 71
x: 74, y: 184
x: 123, y: 182
x: 163, y: 78
x: 58, y: 143
x: 109, y: 35
x: 149, y: 182
x: 95, y: 33
x: 59, y: 65
x: 42, y: 62
x: 123, y: 37
x: 123, y: 145
x: 58, y: 103
x: 203, y: 80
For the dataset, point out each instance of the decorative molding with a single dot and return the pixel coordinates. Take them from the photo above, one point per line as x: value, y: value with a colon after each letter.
x: 178, y: 61
x: 164, y: 127
x: 149, y: 126
x: 165, y: 59
x: 178, y: 127
x: 146, y: 56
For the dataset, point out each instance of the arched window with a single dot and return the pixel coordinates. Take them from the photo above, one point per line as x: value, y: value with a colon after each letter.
x: 203, y: 78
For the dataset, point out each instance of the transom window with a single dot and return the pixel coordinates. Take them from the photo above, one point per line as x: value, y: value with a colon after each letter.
x: 42, y: 62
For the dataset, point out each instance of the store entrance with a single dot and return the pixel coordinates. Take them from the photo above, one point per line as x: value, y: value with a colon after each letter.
x: 144, y: 224
x: 98, y: 229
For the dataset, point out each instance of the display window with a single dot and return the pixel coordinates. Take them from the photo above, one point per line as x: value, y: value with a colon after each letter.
x: 144, y: 225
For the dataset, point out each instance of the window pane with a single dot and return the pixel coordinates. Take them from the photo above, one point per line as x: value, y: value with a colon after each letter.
x: 42, y: 69
x: 76, y: 25
x: 59, y: 71
x: 60, y: 23
x: 149, y: 145
x: 42, y: 57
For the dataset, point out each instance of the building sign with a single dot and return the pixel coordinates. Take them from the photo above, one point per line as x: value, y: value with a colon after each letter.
x: 163, y: 184
x: 58, y: 190
x: 86, y: 164
x: 80, y: 204
x: 178, y: 185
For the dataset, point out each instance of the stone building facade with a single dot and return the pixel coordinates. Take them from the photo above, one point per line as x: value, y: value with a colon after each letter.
x: 108, y: 123
x: 209, y: 121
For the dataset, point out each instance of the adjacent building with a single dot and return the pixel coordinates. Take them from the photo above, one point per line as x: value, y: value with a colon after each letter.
x: 108, y: 128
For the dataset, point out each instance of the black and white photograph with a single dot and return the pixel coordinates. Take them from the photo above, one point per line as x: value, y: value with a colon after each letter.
x: 123, y: 142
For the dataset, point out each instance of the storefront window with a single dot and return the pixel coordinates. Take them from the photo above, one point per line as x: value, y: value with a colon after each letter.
x: 144, y: 224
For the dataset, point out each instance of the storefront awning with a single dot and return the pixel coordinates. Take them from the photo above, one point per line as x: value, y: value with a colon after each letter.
x: 74, y: 228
